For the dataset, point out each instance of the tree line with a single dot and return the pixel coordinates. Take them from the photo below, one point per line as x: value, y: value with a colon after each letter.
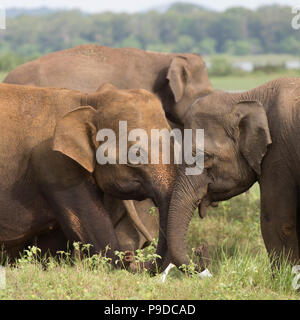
x: 181, y: 28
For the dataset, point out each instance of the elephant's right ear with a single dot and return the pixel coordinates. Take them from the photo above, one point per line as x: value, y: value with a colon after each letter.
x: 177, y: 76
x: 75, y: 136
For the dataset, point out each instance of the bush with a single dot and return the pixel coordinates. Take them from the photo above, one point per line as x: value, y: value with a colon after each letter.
x: 269, y: 68
x: 220, y: 67
x: 9, y: 61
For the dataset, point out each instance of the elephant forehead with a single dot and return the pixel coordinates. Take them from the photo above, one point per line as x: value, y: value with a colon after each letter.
x: 136, y: 117
x: 216, y: 102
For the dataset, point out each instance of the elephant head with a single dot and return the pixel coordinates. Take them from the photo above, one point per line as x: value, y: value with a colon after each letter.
x: 86, y: 132
x: 236, y: 137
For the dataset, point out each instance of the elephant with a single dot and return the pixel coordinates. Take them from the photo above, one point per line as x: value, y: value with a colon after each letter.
x: 248, y: 137
x: 177, y: 79
x: 48, y: 168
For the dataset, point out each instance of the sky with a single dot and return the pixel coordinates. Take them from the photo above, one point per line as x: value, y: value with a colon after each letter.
x: 136, y: 5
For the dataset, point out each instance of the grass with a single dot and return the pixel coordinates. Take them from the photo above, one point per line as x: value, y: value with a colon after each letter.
x: 248, y: 81
x: 240, y: 276
x: 240, y: 267
x: 258, y: 59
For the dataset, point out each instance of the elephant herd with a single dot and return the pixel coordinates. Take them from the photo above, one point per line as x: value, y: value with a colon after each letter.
x: 54, y: 191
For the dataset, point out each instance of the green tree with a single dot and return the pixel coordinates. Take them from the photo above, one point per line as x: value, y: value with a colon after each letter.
x: 185, y: 43
x: 220, y: 67
x: 207, y: 46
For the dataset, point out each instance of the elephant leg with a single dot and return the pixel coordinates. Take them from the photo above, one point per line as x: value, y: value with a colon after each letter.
x: 75, y: 199
x: 51, y: 242
x: 279, y: 216
x: 83, y: 218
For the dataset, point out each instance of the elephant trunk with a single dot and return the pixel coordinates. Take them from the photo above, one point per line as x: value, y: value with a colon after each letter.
x: 187, y: 193
x: 162, y: 246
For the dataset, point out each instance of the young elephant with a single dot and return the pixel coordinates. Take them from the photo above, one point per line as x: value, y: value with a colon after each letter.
x: 48, y: 167
x: 250, y: 136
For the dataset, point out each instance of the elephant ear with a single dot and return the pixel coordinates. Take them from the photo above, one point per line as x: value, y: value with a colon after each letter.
x: 75, y: 136
x: 254, y: 133
x: 177, y: 76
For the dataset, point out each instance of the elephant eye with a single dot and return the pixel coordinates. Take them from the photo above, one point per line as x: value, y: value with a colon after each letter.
x: 137, y: 156
x: 208, y: 156
x: 208, y: 159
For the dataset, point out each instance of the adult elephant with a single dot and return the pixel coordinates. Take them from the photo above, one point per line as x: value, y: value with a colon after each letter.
x: 177, y: 79
x: 250, y: 136
x: 48, y: 167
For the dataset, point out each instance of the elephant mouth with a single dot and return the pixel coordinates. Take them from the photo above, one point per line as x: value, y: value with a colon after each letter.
x: 203, y: 206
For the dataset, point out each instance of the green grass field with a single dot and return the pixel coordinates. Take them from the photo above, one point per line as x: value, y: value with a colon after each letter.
x: 248, y: 81
x: 258, y: 59
x: 240, y: 266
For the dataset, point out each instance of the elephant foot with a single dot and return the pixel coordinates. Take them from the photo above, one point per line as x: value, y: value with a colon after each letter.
x: 132, y: 266
x: 129, y: 257
x: 203, y: 256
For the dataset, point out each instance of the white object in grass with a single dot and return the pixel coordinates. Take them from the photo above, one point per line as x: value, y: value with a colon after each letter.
x: 165, y: 273
x: 204, y: 274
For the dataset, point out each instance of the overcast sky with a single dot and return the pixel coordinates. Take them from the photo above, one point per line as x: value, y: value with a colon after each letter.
x: 136, y: 5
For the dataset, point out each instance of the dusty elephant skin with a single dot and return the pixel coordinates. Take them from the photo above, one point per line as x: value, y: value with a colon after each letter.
x: 129, y: 236
x: 251, y: 136
x: 48, y: 167
x: 177, y: 79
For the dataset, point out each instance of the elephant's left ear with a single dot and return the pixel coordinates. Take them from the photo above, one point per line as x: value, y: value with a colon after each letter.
x: 254, y: 133
x: 75, y: 136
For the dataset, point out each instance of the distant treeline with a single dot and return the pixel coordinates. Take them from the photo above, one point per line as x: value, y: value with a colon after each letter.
x: 181, y: 28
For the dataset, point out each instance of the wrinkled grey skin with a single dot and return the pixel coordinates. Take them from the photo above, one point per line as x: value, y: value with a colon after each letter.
x: 251, y: 136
